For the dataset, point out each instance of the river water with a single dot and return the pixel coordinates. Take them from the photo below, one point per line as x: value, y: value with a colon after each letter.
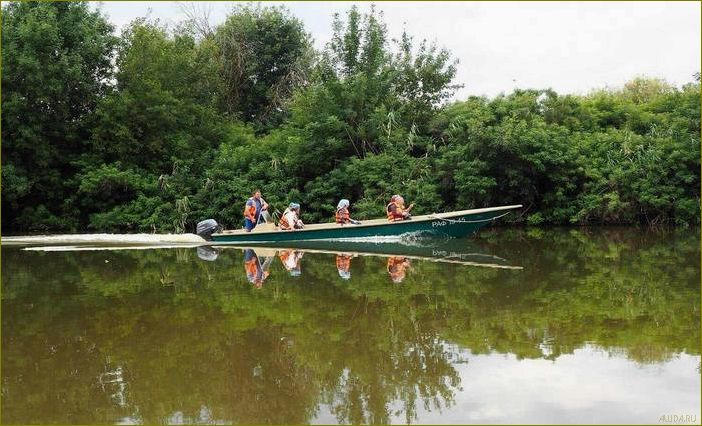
x: 515, y: 326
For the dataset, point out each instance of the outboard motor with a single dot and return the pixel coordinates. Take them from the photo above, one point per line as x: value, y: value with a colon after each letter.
x: 206, y: 228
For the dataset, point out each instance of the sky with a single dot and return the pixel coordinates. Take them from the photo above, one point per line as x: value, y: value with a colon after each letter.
x: 571, y: 47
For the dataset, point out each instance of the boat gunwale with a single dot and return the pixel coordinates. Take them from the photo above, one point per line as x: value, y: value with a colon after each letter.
x: 372, y: 222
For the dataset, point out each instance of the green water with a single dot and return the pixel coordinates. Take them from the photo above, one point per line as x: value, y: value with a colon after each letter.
x: 596, y: 326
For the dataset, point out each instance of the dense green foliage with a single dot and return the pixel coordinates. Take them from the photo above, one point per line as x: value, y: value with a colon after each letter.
x: 263, y: 55
x: 56, y: 66
x: 186, y: 123
x: 190, y: 333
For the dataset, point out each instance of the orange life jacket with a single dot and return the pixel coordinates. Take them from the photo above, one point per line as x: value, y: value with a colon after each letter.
x: 255, y: 275
x: 342, y: 216
x: 396, y: 268
x: 284, y: 224
x: 343, y: 262
x: 250, y: 211
x: 397, y: 214
x: 251, y: 267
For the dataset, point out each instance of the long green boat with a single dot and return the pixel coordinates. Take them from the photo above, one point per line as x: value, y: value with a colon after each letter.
x: 456, y: 224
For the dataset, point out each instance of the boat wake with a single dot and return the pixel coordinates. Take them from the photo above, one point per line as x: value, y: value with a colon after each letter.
x: 107, y: 239
x: 113, y: 247
x: 411, y: 239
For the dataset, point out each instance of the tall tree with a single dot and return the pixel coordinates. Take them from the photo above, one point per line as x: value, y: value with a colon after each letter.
x: 56, y: 66
x: 265, y: 54
x: 382, y: 90
x: 153, y: 136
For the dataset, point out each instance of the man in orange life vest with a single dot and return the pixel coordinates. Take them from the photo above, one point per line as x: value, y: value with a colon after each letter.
x: 252, y: 210
x: 396, y: 210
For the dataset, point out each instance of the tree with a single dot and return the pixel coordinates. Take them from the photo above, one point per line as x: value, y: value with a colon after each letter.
x: 159, y: 126
x: 264, y: 54
x: 56, y: 67
x: 641, y: 89
x: 366, y: 99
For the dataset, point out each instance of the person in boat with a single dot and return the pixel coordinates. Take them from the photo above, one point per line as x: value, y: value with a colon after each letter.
x: 397, y: 268
x: 252, y: 210
x: 291, y: 261
x: 343, y: 265
x: 291, y: 218
x: 342, y: 213
x: 255, y: 272
x: 396, y: 210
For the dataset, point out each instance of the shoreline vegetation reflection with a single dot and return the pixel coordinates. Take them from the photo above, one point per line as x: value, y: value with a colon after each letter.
x: 212, y: 334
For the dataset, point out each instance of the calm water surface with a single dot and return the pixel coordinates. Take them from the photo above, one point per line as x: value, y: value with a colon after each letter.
x: 557, y: 326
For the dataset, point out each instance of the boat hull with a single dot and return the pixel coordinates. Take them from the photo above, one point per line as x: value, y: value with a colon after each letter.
x: 453, y: 225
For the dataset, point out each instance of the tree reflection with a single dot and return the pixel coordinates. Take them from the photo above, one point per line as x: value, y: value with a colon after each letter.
x: 192, y: 338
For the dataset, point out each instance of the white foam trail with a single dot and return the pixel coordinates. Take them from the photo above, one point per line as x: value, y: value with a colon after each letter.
x: 407, y: 239
x: 376, y: 240
x: 122, y: 239
x: 99, y: 248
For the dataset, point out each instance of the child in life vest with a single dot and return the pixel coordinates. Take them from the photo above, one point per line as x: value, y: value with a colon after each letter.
x: 342, y: 213
x: 291, y: 218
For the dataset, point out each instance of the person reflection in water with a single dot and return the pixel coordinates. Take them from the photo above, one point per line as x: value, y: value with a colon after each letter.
x: 291, y: 261
x: 343, y: 265
x: 255, y: 272
x: 397, y: 266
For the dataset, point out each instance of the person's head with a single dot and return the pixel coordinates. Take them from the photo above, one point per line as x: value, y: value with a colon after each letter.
x: 397, y: 199
x: 346, y: 275
x: 294, y: 206
x: 256, y: 194
x: 343, y: 204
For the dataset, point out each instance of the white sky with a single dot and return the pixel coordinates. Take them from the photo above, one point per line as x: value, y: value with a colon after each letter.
x: 571, y: 47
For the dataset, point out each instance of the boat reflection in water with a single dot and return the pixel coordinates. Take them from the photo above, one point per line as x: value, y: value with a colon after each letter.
x: 257, y: 261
